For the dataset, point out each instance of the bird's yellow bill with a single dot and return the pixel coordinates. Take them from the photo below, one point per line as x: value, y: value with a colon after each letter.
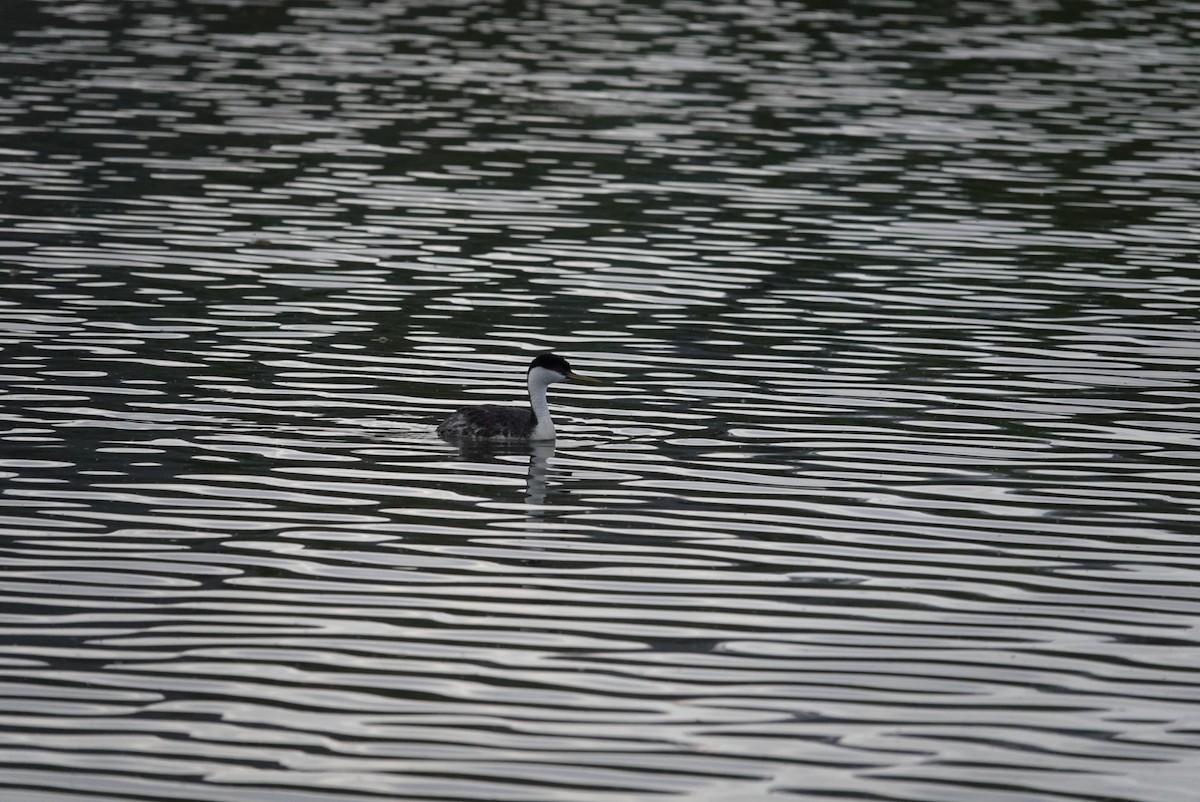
x: 575, y: 377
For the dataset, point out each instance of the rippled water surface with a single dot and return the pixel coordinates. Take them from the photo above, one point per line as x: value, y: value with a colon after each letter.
x: 890, y: 492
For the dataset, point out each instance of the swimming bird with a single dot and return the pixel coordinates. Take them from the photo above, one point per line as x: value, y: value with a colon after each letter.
x: 496, y: 422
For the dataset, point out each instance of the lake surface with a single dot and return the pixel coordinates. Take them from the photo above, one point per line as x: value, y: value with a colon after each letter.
x: 890, y: 491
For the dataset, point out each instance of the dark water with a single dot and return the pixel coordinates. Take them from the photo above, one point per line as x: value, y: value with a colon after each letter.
x: 890, y: 494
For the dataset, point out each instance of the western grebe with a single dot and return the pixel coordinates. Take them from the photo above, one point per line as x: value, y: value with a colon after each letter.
x: 495, y: 422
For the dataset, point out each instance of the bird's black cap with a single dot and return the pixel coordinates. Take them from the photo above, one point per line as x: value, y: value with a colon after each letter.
x: 552, y: 362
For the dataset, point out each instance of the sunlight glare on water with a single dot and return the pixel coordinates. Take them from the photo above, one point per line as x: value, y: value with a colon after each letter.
x: 889, y: 491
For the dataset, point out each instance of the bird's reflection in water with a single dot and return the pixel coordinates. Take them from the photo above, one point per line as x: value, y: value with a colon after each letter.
x: 537, y: 477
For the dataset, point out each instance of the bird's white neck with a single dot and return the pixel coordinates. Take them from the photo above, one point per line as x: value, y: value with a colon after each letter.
x: 539, y: 380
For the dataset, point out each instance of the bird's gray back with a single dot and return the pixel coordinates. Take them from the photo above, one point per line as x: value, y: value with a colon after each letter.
x: 488, y: 422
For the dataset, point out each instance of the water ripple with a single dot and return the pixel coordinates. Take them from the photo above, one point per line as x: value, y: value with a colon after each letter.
x: 889, y: 491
